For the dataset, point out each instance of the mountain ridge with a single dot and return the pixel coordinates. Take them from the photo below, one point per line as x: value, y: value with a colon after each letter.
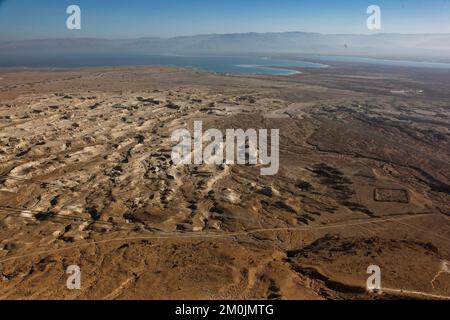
x: 434, y: 46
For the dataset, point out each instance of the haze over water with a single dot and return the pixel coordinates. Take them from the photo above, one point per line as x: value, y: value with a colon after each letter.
x: 218, y: 64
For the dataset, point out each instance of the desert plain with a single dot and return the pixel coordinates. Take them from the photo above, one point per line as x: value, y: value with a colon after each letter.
x: 86, y: 179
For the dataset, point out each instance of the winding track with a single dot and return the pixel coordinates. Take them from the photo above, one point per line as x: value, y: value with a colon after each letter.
x: 164, y: 236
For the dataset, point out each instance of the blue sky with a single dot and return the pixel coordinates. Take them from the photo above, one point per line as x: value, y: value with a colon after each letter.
x: 36, y: 19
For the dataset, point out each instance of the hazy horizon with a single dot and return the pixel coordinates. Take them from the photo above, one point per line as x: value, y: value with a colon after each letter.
x: 231, y: 33
x: 417, y: 29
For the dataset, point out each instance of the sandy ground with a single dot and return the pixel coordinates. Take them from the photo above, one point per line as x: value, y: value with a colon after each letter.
x: 86, y: 179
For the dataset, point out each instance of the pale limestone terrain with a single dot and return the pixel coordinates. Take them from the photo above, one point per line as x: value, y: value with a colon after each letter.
x: 86, y: 178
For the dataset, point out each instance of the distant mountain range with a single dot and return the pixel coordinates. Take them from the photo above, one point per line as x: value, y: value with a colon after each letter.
x: 417, y: 46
